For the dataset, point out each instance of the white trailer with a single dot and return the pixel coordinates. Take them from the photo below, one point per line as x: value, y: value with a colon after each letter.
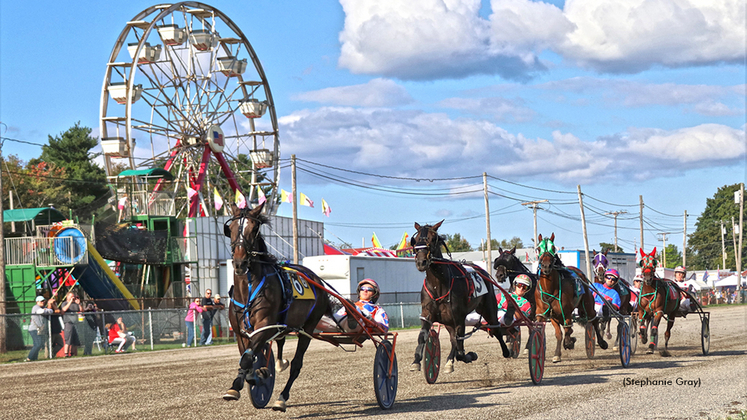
x: 398, y: 278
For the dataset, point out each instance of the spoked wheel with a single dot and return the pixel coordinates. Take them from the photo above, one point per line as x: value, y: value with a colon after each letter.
x: 536, y: 355
x: 516, y: 344
x: 385, y: 383
x: 590, y: 342
x: 262, y: 392
x: 432, y: 357
x: 633, y: 336
x: 185, y: 91
x: 623, y: 334
x: 705, y: 335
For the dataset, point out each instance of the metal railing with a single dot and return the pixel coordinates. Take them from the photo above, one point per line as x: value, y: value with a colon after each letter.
x: 45, y: 252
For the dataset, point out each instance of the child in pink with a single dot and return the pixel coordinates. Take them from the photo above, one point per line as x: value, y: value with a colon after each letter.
x: 190, y: 320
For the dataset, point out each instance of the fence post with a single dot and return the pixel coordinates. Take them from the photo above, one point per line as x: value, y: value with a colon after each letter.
x: 402, y: 315
x: 150, y: 324
x: 49, y: 333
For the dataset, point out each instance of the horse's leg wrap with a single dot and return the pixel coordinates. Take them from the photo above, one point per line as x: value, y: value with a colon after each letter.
x: 247, y: 364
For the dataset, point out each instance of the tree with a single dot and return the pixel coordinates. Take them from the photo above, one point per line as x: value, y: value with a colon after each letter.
x: 704, y: 245
x: 611, y: 247
x: 674, y: 256
x: 33, y: 185
x: 85, y: 180
x: 505, y: 244
x: 456, y: 243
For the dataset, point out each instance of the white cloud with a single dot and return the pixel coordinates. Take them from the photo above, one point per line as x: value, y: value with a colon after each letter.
x: 500, y: 109
x: 432, y: 145
x: 376, y: 93
x: 432, y: 39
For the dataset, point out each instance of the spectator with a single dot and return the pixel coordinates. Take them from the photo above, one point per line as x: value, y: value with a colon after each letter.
x: 190, y: 320
x: 208, y: 312
x: 123, y: 329
x: 368, y: 294
x: 37, y: 327
x: 90, y: 327
x: 217, y: 306
x: 55, y: 322
x: 69, y: 311
x: 117, y: 336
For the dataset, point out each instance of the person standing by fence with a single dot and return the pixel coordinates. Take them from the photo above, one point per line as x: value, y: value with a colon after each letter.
x: 190, y: 320
x: 37, y: 327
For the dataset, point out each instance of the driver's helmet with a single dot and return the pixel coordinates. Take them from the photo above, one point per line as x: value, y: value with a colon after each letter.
x: 680, y: 269
x: 373, y: 284
x: 523, y: 279
x: 612, y: 273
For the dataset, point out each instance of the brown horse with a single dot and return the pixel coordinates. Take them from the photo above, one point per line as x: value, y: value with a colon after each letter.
x: 507, y: 266
x: 447, y: 298
x: 262, y: 307
x: 557, y: 296
x: 658, y: 298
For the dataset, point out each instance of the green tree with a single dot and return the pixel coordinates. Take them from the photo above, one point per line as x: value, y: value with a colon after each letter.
x: 456, y: 243
x: 85, y: 180
x: 504, y: 243
x: 704, y: 245
x: 674, y: 256
x: 611, y: 247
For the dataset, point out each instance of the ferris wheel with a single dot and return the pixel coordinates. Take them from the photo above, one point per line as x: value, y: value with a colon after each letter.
x: 184, y: 91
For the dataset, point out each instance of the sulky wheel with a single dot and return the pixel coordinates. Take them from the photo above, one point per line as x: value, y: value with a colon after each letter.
x: 623, y: 333
x: 536, y: 355
x: 633, y: 329
x: 516, y: 344
x: 705, y: 335
x: 385, y: 384
x: 262, y: 391
x: 590, y: 342
x: 432, y: 357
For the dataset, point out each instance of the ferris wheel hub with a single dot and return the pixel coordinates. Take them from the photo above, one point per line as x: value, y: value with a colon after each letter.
x: 215, y: 139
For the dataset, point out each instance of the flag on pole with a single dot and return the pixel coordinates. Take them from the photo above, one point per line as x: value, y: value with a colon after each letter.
x: 261, y: 197
x: 325, y: 208
x: 305, y: 201
x: 240, y: 200
x: 375, y: 241
x: 285, y: 197
x: 191, y: 192
x: 403, y: 242
x: 217, y: 199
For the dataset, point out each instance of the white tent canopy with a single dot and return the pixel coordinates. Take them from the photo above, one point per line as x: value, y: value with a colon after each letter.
x: 697, y: 284
x: 732, y: 280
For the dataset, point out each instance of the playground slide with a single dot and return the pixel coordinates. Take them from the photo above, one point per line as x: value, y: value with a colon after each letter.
x: 100, y: 282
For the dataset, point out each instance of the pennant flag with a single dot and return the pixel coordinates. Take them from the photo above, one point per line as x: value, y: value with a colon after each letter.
x: 403, y: 242
x: 285, y: 197
x: 375, y: 241
x: 217, y: 199
x: 325, y: 208
x: 240, y: 200
x: 261, y: 197
x: 191, y: 192
x: 330, y: 250
x: 122, y: 202
x: 305, y: 201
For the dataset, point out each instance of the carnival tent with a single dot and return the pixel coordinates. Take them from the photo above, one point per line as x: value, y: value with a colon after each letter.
x: 730, y: 281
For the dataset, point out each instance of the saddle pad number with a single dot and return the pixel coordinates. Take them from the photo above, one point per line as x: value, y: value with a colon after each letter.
x: 301, y: 289
x: 478, y: 282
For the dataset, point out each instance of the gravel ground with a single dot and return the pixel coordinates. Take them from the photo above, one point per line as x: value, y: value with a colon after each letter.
x: 186, y: 384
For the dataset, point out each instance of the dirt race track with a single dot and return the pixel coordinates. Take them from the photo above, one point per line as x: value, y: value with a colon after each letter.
x: 188, y: 384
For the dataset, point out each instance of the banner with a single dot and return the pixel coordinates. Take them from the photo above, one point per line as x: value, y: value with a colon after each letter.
x: 240, y: 200
x: 325, y: 208
x: 285, y: 197
x: 217, y: 199
x: 261, y: 197
x: 305, y: 201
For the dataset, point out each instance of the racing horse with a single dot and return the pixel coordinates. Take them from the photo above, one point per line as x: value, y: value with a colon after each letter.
x: 447, y: 297
x: 507, y: 266
x: 658, y: 298
x: 262, y: 307
x: 558, y: 295
x: 601, y: 263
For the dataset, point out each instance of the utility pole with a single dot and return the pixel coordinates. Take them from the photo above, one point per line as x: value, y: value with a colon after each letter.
x: 534, y: 207
x: 589, y: 273
x: 489, y: 262
x: 723, y: 245
x: 734, y: 240
x: 616, y: 213
x: 3, y: 340
x: 741, y: 229
x: 664, y: 248
x: 295, y: 209
x: 640, y: 199
x: 684, y: 243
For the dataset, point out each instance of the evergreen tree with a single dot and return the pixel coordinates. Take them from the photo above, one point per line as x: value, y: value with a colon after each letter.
x: 456, y: 243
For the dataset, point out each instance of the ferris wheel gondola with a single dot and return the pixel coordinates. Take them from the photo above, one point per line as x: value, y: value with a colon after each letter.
x: 185, y: 91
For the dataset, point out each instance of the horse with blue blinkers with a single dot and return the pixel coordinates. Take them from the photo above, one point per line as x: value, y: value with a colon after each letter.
x: 262, y: 307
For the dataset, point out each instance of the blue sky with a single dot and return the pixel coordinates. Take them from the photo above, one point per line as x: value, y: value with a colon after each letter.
x: 624, y: 98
